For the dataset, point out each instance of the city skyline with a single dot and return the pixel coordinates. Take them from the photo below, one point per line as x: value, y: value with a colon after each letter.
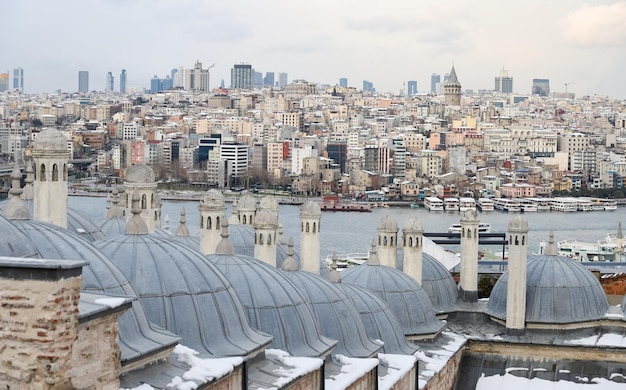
x: 566, y: 42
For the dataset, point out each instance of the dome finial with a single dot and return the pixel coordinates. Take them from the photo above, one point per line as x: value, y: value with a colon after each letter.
x: 115, y: 211
x: 224, y: 247
x: 28, y: 192
x: 234, y: 218
x: 182, y: 228
x: 16, y: 208
x: 373, y: 257
x: 289, y: 264
x: 334, y: 276
x: 551, y: 250
x: 136, y: 224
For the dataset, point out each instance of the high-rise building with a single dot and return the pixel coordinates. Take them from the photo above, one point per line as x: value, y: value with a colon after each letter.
x: 368, y: 86
x: 268, y: 81
x: 541, y: 87
x: 282, y: 79
x: 83, y: 81
x: 197, y: 79
x: 435, y: 79
x: 110, y: 82
x: 411, y: 87
x: 18, y: 79
x: 452, y: 89
x: 343, y: 82
x: 158, y: 85
x: 258, y: 79
x: 338, y: 152
x: 241, y: 76
x: 503, y: 82
x: 123, y: 81
x: 4, y: 82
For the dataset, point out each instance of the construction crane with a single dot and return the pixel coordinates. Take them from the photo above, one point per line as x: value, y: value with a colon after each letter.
x: 566, y: 84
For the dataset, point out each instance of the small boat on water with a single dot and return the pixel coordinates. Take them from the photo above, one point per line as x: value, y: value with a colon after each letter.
x: 483, y: 227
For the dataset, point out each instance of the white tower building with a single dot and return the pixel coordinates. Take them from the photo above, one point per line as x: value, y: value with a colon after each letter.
x: 212, y: 214
x: 140, y: 179
x: 516, y: 286
x: 265, y: 229
x: 50, y: 154
x: 246, y: 209
x: 310, y: 216
x: 412, y: 248
x: 387, y: 241
x: 468, y: 285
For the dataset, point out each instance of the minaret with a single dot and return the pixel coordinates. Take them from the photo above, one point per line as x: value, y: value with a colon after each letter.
x: 51, y: 154
x: 27, y: 191
x: 140, y: 178
x: 619, y: 248
x: 468, y: 285
x: 388, y: 241
x: 516, y: 285
x: 182, y: 229
x: 15, y: 207
x: 212, y: 215
x: 246, y: 209
x: 265, y: 227
x: 452, y: 89
x: 310, y: 216
x: 412, y: 247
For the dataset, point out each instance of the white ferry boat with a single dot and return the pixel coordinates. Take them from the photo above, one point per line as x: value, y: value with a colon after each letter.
x: 564, y: 204
x: 526, y: 205
x: 506, y: 205
x: 483, y: 227
x: 432, y: 203
x: 484, y: 204
x: 585, y: 204
x: 451, y: 204
x: 602, y: 250
x: 542, y: 204
x: 467, y: 204
x: 609, y: 204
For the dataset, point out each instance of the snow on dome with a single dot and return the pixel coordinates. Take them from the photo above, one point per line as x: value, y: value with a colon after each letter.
x: 51, y: 139
x: 387, y: 222
x: 212, y: 198
x: 139, y: 173
x: 310, y: 209
x: 413, y: 224
x: 559, y: 290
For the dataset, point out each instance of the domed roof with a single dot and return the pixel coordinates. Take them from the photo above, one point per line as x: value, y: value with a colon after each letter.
x: 247, y: 202
x: 338, y: 318
x: 184, y: 293
x: 242, y: 239
x: 380, y: 323
x: 310, y: 209
x: 413, y: 224
x: 269, y: 203
x: 559, y: 290
x: 84, y: 227
x: 50, y: 139
x: 272, y: 302
x: 404, y: 296
x: 139, y: 173
x: 469, y: 215
x: 439, y: 285
x: 137, y: 337
x: 112, y: 226
x: 387, y: 222
x: 212, y: 198
x: 13, y: 243
x: 265, y: 217
x: 518, y: 224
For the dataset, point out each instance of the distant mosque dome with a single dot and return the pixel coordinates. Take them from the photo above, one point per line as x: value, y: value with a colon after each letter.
x: 559, y: 290
x: 51, y: 139
x: 139, y: 173
x: 272, y: 302
x: 404, y: 296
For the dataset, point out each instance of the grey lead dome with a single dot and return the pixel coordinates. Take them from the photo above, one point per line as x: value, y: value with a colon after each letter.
x: 51, y: 139
x: 139, y: 173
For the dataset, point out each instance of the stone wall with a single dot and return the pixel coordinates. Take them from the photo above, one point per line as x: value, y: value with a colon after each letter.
x: 408, y: 381
x: 446, y: 377
x: 231, y: 381
x: 368, y: 381
x: 310, y: 381
x: 38, y: 325
x: 96, y: 354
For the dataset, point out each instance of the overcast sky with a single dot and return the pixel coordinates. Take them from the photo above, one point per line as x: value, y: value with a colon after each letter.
x: 386, y: 42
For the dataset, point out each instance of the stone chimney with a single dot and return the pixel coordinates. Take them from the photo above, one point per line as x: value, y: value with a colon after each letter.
x: 265, y: 228
x: 468, y: 285
x: 388, y: 241
x: 412, y: 248
x: 516, y: 285
x: 38, y: 322
x: 212, y: 215
x: 310, y: 217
